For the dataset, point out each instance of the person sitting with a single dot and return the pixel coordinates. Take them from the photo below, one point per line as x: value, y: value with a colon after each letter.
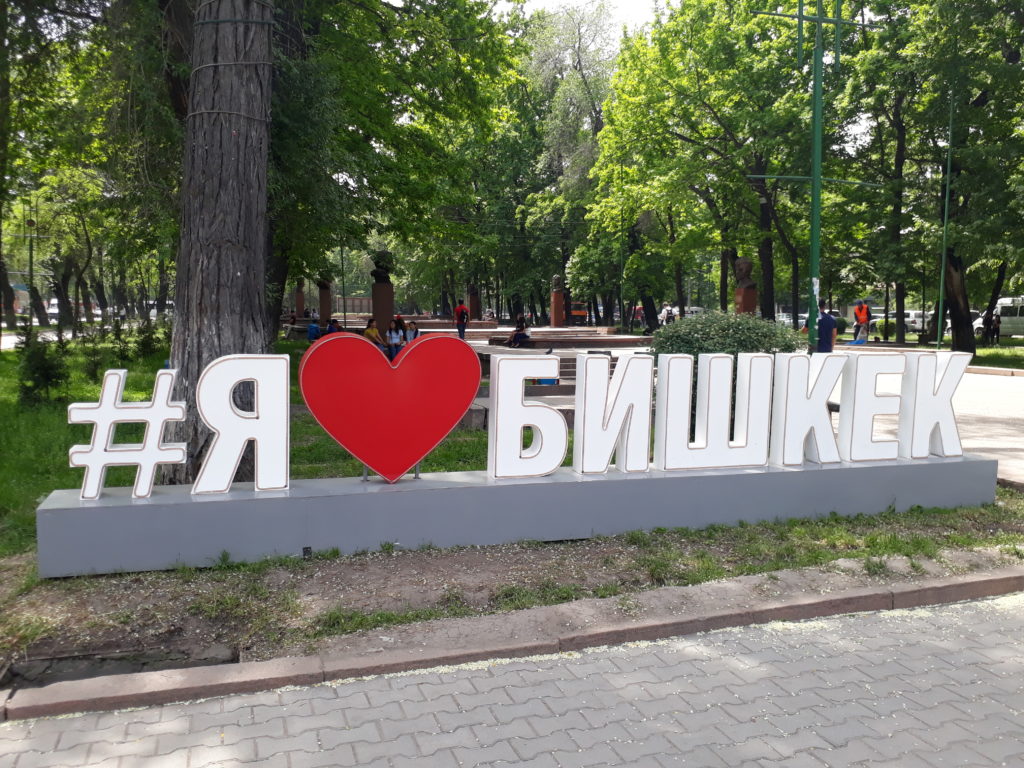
x: 312, y: 331
x: 411, y: 331
x: 519, y: 335
x: 373, y: 334
x: 394, y: 339
x: 333, y: 327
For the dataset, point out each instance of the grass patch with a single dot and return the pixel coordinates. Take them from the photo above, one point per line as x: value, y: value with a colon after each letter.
x: 511, y: 597
x: 684, y: 556
x: 17, y: 632
x: 875, y: 566
x: 343, y: 621
x: 1009, y: 354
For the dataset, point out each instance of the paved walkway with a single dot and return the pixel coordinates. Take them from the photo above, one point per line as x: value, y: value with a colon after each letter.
x: 921, y: 688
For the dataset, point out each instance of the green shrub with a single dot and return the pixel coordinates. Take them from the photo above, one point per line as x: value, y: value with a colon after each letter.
x: 123, y: 352
x: 842, y: 324
x: 41, y: 368
x: 716, y: 332
x: 145, y: 341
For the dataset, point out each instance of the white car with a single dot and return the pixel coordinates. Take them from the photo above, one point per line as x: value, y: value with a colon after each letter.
x: 1011, y: 317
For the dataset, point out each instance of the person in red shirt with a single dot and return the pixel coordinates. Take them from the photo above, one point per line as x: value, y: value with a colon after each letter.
x: 461, y: 319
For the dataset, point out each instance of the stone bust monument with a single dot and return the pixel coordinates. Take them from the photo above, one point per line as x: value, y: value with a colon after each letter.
x: 383, y: 263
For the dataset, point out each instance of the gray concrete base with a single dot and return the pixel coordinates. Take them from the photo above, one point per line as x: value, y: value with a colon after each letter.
x: 172, y: 528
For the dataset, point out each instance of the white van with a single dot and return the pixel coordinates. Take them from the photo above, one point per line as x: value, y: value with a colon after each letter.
x: 1011, y: 317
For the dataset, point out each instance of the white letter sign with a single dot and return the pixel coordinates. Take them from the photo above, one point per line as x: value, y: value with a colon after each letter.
x: 861, y: 403
x: 801, y: 424
x: 267, y: 424
x: 510, y: 413
x: 613, y: 418
x: 927, y: 422
x: 712, y: 446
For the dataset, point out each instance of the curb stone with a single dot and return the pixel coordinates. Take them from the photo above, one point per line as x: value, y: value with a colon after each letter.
x: 167, y: 686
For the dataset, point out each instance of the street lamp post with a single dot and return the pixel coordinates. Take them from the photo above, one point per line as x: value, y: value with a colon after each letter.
x: 817, y: 85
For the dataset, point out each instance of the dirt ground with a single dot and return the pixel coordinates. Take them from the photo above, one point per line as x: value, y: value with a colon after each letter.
x: 66, y: 628
x: 80, y: 627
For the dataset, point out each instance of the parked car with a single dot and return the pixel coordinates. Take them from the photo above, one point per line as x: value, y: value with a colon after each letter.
x: 1011, y: 317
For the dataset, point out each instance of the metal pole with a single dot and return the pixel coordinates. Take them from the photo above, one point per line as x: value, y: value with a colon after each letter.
x: 344, y: 309
x: 940, y: 329
x: 814, y: 268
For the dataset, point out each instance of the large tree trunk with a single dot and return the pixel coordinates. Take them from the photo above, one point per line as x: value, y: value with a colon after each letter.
x: 62, y: 274
x: 37, y: 306
x: 901, y: 304
x: 162, y: 286
x: 220, y: 307
x: 896, y: 218
x: 650, y: 312
x: 6, y: 291
x: 277, y: 279
x: 766, y: 258
x: 958, y: 305
x: 726, y: 260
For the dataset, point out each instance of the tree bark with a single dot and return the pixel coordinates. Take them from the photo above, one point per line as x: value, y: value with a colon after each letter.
x: 896, y: 217
x: 62, y: 274
x: 650, y: 311
x: 162, y: 286
x: 766, y: 258
x: 6, y: 291
x: 958, y: 305
x: 220, y: 305
x: 36, y: 302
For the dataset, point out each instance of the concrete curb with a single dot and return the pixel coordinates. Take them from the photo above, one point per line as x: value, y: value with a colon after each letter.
x: 991, y: 370
x: 164, y: 687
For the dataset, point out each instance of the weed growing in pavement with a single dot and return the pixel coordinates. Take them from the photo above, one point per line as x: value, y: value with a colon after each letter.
x: 513, y: 597
x: 875, y: 566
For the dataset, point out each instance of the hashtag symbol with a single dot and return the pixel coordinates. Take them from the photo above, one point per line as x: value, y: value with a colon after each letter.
x: 110, y: 411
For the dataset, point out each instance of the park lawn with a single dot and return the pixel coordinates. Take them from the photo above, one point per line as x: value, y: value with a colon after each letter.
x: 1009, y: 354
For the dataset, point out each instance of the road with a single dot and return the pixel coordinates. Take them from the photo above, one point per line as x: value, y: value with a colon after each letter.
x: 915, y: 689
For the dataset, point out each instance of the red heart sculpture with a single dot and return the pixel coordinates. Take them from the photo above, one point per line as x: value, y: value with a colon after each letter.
x: 389, y: 415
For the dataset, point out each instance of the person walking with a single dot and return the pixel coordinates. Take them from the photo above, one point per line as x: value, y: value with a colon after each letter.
x: 461, y: 319
x: 827, y: 329
x: 996, y: 328
x: 862, y: 320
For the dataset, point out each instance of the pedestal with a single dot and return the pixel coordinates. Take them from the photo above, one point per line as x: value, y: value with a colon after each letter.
x: 557, y: 309
x: 746, y: 300
x: 383, y: 295
x: 173, y: 528
x: 475, y: 311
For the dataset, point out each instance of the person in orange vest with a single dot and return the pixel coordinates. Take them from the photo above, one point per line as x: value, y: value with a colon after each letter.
x: 862, y: 320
